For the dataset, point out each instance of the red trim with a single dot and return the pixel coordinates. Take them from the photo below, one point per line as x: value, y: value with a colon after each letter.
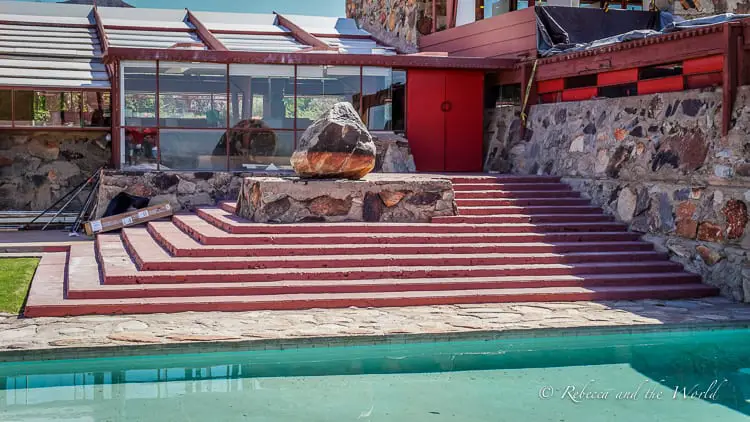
x: 402, y: 61
x: 344, y: 36
x: 229, y: 106
x: 703, y: 65
x: 12, y: 108
x: 294, y: 124
x: 617, y: 77
x: 552, y: 97
x: 116, y: 114
x: 300, y: 34
x: 59, y: 128
x: 553, y: 85
x: 52, y: 88
x: 51, y: 24
x: 103, y: 41
x: 205, y: 35
x: 579, y: 94
x: 668, y: 84
x: 703, y: 81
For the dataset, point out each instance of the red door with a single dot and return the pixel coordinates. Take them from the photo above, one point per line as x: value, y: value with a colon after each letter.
x: 444, y: 112
x: 464, y: 122
x: 425, y: 123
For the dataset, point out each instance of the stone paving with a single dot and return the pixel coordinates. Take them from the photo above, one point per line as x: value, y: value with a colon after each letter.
x: 43, y: 333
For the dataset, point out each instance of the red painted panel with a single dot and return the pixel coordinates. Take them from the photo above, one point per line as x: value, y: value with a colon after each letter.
x: 425, y: 125
x: 617, y: 77
x: 703, y: 65
x: 552, y: 97
x: 670, y: 84
x: 552, y: 85
x: 704, y: 80
x: 579, y: 94
x: 464, y: 121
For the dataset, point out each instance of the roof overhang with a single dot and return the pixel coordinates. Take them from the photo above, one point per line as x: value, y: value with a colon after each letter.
x: 334, y: 59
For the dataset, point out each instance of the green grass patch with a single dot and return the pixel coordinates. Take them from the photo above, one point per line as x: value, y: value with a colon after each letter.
x: 15, y: 279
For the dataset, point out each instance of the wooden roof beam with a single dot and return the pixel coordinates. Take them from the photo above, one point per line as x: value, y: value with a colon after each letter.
x: 205, y: 35
x: 104, y: 43
x: 301, y: 35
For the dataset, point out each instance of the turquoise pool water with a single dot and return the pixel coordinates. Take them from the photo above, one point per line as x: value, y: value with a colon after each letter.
x: 665, y: 376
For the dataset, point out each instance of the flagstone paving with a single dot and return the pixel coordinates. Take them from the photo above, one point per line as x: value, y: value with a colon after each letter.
x: 42, y: 333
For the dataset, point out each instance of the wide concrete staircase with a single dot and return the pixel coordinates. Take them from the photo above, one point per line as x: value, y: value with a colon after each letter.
x: 516, y: 239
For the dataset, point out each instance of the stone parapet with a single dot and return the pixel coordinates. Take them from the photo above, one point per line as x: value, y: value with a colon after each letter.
x: 376, y: 197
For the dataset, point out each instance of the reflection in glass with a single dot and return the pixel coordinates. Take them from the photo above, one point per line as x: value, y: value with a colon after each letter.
x: 97, y: 109
x: 320, y: 87
x: 140, y: 147
x: 262, y: 92
x: 259, y: 148
x: 192, y: 95
x: 6, y: 107
x: 48, y: 108
x: 192, y: 149
x: 376, y: 98
x: 139, y: 105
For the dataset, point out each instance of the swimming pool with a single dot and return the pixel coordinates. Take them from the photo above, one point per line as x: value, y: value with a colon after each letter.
x: 665, y: 376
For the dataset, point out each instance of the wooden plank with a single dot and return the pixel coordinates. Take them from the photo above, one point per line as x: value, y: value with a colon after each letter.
x: 644, y: 55
x: 703, y: 80
x: 504, y: 48
x: 579, y: 94
x: 703, y: 65
x: 492, y: 36
x: 668, y: 84
x: 554, y: 85
x: 617, y: 77
x: 127, y: 219
x: 524, y: 16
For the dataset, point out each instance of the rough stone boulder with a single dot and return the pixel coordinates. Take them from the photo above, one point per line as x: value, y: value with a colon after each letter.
x: 335, y: 146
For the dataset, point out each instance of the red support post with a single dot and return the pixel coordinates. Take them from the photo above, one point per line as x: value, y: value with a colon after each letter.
x: 116, y: 115
x: 228, y: 133
x: 158, y: 123
x: 729, y: 80
x: 434, y: 17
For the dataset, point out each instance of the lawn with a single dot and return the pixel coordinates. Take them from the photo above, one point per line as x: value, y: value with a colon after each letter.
x: 15, y: 278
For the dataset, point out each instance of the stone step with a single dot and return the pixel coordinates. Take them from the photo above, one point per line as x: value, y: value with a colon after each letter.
x: 228, y: 206
x: 487, y: 194
x: 510, y: 187
x: 180, y: 244
x: 150, y: 256
x: 503, y: 178
x: 236, y: 225
x: 119, y: 268
x: 208, y: 234
x: 55, y: 305
x: 551, y: 222
x: 89, y: 288
x: 519, y: 202
x: 529, y: 210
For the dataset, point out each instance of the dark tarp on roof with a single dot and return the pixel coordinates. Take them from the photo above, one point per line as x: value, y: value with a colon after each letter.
x: 564, y: 28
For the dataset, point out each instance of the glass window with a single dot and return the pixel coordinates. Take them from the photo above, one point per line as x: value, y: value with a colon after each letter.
x: 192, y: 95
x: 192, y: 149
x: 376, y: 98
x: 262, y: 93
x: 97, y: 109
x: 398, y: 92
x: 139, y: 86
x: 6, y: 107
x: 140, y: 147
x: 259, y: 148
x: 320, y: 87
x: 48, y: 108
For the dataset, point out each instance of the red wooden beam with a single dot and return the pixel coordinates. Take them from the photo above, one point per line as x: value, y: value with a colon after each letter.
x: 103, y: 41
x: 301, y: 35
x: 116, y: 114
x: 205, y: 35
x: 146, y: 28
x: 404, y: 60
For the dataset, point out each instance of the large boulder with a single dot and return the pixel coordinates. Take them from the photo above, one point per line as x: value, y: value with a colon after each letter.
x: 337, y: 145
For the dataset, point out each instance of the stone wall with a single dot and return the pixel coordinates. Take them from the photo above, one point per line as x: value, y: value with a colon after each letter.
x: 37, y: 168
x: 395, y: 22
x: 690, y: 9
x: 376, y: 197
x: 658, y: 162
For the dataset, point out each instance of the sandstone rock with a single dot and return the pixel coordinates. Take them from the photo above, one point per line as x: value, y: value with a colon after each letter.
x: 626, y: 203
x: 620, y: 134
x: 327, y: 206
x: 372, y: 207
x: 391, y: 198
x: 736, y: 213
x: 336, y: 145
x: 185, y: 187
x: 577, y: 144
x: 710, y: 232
x: 47, y: 151
x: 708, y: 255
x: 134, y: 338
x: 686, y: 228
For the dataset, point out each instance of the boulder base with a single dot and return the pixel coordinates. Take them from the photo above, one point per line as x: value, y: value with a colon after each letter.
x: 337, y: 145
